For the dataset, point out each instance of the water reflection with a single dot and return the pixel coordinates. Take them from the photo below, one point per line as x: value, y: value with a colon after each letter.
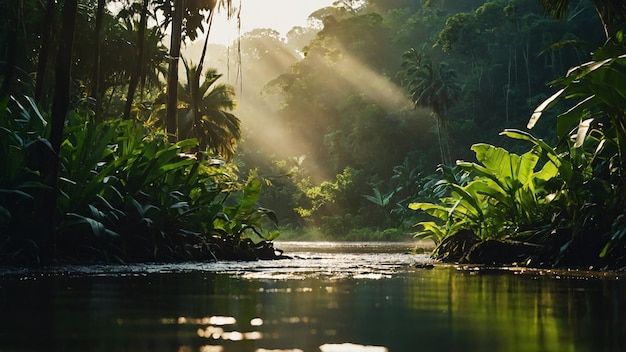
x: 380, y: 303
x: 350, y: 347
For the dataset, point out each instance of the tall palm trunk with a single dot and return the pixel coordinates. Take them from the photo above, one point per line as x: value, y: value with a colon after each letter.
x: 196, y: 97
x: 60, y: 107
x: 206, y: 40
x: 172, y: 76
x: 95, y: 73
x: 10, y: 46
x: 440, y: 140
x: 508, y: 88
x: 196, y: 101
x: 42, y: 60
x: 526, y: 56
x: 138, y: 71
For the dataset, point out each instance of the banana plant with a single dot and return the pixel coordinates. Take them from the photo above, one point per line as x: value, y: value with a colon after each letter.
x: 510, y: 181
x: 246, y: 215
x: 581, y: 195
x: 504, y: 195
x: 382, y: 201
x: 379, y: 198
x: 595, y: 96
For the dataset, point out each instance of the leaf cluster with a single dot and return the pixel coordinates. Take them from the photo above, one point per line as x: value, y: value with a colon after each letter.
x: 125, y: 194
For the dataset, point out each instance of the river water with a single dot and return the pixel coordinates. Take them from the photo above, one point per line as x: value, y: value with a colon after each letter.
x: 330, y: 297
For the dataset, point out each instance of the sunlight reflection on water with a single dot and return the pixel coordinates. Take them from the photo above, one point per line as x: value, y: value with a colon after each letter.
x: 330, y: 260
x: 331, y: 297
x: 350, y: 347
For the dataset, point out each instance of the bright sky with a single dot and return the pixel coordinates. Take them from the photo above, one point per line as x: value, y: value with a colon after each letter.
x: 281, y: 15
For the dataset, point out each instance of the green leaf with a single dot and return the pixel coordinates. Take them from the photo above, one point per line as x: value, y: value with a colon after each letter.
x: 583, y: 128
x: 35, y: 108
x: 18, y: 193
x: 96, y: 228
x: 547, y: 172
x: 5, y: 216
x: 469, y: 202
x: 567, y: 120
x: 273, y: 235
x: 269, y: 213
x: 507, y: 169
x: 431, y: 230
x: 180, y: 205
x: 186, y: 143
x: 615, y: 238
x: 251, y: 192
x: 435, y: 210
x: 542, y: 107
x: 565, y: 167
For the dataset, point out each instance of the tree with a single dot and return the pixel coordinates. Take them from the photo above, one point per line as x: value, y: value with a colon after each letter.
x: 185, y: 17
x: 60, y: 107
x: 612, y: 13
x: 42, y: 60
x: 95, y: 70
x: 137, y: 72
x: 432, y: 87
x: 207, y: 109
x: 172, y: 72
x: 14, y: 13
x: 204, y: 112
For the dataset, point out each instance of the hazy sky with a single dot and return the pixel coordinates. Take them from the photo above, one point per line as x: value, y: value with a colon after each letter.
x: 281, y: 15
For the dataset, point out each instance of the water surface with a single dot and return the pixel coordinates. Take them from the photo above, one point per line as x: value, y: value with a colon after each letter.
x: 329, y: 297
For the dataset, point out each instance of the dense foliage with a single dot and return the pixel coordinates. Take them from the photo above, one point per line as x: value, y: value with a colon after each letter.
x: 348, y: 125
x: 386, y: 92
x: 125, y: 195
x: 86, y: 178
x: 561, y: 205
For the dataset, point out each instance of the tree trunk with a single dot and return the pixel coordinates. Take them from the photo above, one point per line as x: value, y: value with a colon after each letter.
x: 60, y: 107
x: 95, y: 73
x: 172, y: 77
x: 526, y: 55
x: 42, y: 60
x: 508, y: 87
x: 195, y: 89
x: 10, y: 48
x: 440, y: 140
x: 206, y: 41
x: 137, y: 72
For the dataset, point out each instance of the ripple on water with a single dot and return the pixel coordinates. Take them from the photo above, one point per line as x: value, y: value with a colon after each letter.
x: 321, y: 260
x: 351, y: 347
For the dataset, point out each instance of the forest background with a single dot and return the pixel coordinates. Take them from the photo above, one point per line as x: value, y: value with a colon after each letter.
x: 341, y: 123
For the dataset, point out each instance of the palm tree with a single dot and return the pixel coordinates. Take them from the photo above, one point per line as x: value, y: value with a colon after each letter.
x: 137, y: 72
x: 431, y: 87
x: 95, y: 73
x: 186, y: 17
x: 204, y: 112
x: 59, y: 110
x: 612, y: 13
x: 172, y: 72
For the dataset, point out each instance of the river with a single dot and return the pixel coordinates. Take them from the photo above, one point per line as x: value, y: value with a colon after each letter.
x: 330, y: 297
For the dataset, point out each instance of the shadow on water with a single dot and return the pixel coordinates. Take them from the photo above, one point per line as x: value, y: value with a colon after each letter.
x: 329, y: 297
